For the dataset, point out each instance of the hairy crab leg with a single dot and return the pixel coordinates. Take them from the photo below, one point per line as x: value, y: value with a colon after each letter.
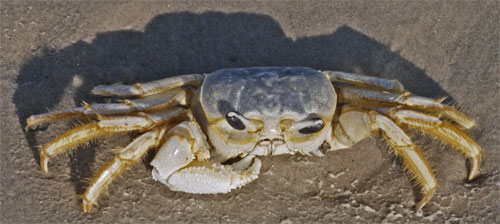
x: 354, y: 126
x: 124, y: 159
x: 120, y: 124
x: 366, y: 97
x: 365, y: 81
x: 148, y: 103
x: 142, y: 89
x: 443, y: 131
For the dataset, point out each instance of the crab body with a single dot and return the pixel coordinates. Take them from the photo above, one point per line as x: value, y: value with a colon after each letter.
x: 269, y: 101
x: 209, y: 130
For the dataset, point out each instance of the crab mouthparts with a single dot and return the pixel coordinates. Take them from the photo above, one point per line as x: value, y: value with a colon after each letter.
x: 276, y: 146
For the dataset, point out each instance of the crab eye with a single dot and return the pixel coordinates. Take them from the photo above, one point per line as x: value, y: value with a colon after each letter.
x: 314, y: 125
x: 233, y: 119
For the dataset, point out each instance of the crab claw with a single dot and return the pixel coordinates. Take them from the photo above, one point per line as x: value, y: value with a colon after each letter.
x: 204, y: 177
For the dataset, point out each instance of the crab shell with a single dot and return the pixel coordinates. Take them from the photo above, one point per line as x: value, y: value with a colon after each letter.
x: 273, y: 103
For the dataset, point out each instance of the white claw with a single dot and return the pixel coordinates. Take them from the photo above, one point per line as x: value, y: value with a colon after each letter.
x: 213, y: 178
x: 170, y: 158
x: 243, y: 163
x: 181, y: 164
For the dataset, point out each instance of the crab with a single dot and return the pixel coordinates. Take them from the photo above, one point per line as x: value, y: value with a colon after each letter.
x: 208, y: 130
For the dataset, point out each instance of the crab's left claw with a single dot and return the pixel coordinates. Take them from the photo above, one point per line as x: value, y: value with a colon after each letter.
x: 181, y: 164
x: 212, y: 178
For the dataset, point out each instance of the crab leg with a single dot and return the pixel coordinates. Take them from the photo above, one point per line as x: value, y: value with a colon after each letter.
x: 442, y: 130
x: 181, y: 164
x: 142, y: 89
x: 124, y: 159
x: 85, y: 133
x: 353, y: 126
x: 365, y: 81
x: 151, y: 102
x: 365, y: 97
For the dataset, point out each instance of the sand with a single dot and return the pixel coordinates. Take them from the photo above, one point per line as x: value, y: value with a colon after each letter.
x: 54, y: 53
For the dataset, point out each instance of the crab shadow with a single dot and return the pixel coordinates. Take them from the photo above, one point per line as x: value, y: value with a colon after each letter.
x: 182, y: 43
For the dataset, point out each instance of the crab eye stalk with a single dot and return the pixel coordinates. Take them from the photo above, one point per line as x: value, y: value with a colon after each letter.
x: 233, y: 118
x: 313, y: 125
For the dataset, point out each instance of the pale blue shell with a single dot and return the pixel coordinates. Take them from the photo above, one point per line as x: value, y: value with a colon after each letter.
x: 267, y: 92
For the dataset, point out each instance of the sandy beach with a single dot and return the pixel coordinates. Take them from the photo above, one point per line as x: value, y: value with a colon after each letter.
x: 54, y: 53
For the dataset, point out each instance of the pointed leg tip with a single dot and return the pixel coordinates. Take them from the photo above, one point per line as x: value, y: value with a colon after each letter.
x: 473, y: 174
x: 427, y: 197
x: 440, y: 100
x: 468, y: 124
x: 421, y: 205
x: 419, y: 211
x: 99, y: 90
x: 44, y: 163
x: 475, y: 170
x: 31, y: 124
x: 86, y: 206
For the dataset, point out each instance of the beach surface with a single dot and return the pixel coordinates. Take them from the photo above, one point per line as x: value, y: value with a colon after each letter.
x: 54, y: 53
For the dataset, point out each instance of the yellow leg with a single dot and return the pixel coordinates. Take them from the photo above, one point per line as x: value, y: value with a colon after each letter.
x: 120, y: 124
x: 85, y: 133
x: 148, y: 103
x: 125, y: 157
x: 370, y: 98
x: 354, y: 126
x: 36, y: 120
x: 411, y: 154
x: 70, y: 140
x: 365, y: 81
x: 443, y: 131
x: 143, y: 89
